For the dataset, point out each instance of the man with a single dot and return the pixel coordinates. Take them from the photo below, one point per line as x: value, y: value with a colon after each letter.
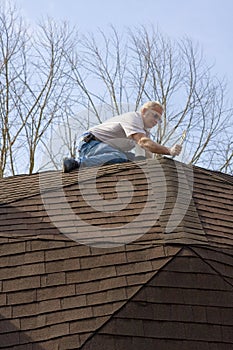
x: 111, y: 141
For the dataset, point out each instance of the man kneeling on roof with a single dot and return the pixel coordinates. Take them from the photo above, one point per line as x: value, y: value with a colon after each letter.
x: 111, y: 141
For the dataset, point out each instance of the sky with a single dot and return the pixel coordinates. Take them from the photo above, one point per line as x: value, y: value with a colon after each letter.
x: 207, y: 22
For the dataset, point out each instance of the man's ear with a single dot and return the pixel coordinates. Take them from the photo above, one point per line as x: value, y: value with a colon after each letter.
x: 143, y: 111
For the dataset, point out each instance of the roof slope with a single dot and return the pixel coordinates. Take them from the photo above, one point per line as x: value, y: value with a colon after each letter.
x: 176, y: 307
x: 80, y: 255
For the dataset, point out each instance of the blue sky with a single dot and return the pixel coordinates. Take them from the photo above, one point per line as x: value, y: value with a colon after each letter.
x: 208, y: 22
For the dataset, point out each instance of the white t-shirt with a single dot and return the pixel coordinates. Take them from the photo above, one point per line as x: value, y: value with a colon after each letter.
x: 118, y: 131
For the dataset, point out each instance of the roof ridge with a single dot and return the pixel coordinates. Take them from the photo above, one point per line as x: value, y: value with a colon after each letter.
x: 131, y: 297
x: 216, y: 175
x: 123, y: 165
x: 211, y: 266
x: 69, y: 178
x: 87, y: 174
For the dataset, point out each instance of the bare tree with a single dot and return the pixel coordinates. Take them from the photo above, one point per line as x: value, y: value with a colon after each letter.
x: 146, y: 65
x: 13, y: 41
x: 53, y: 90
x: 35, y: 88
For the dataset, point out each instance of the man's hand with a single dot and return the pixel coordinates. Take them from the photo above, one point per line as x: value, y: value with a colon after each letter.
x: 175, y: 150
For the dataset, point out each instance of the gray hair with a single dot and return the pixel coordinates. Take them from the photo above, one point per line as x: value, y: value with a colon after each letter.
x: 152, y: 104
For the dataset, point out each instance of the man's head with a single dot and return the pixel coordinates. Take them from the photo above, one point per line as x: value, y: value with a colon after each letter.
x: 152, y: 112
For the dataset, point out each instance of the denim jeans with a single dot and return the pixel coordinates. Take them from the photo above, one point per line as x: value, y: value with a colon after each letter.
x: 94, y: 153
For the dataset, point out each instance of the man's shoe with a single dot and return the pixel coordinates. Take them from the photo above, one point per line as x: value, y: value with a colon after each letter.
x: 69, y: 164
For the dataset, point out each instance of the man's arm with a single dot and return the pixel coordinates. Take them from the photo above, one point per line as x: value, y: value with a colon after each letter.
x: 153, y: 147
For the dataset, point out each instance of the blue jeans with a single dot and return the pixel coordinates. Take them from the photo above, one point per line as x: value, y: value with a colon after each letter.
x: 94, y: 153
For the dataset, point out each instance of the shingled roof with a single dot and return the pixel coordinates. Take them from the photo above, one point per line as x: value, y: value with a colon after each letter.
x: 132, y: 256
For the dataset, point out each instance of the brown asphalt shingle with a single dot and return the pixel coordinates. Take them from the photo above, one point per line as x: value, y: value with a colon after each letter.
x: 169, y: 287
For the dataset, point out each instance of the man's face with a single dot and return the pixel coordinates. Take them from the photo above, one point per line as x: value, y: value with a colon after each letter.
x: 151, y: 117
